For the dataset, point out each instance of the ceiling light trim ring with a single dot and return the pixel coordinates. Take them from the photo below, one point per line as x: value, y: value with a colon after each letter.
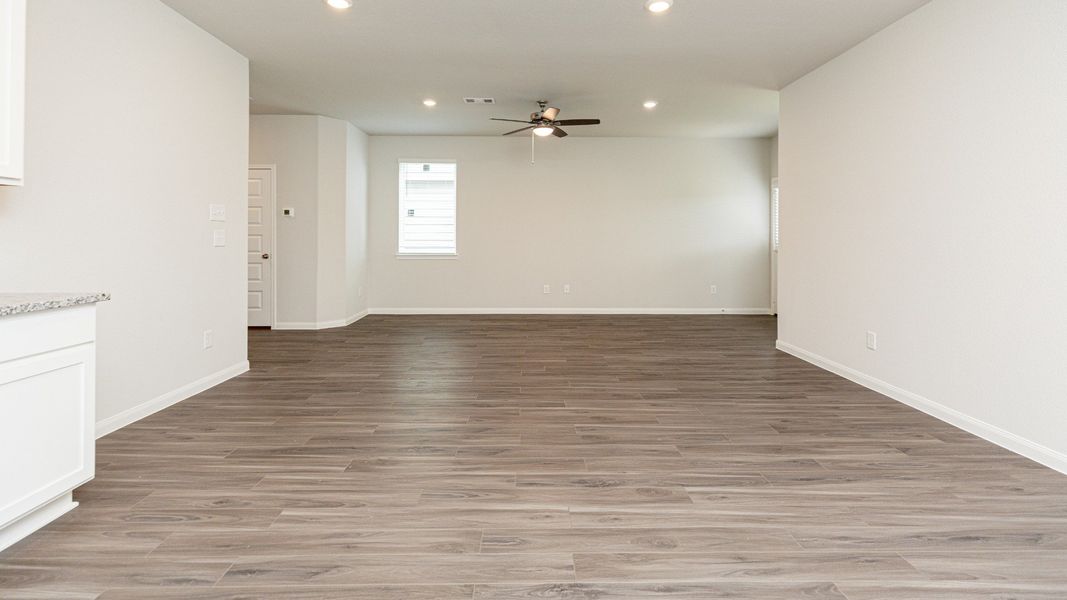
x: 658, y: 7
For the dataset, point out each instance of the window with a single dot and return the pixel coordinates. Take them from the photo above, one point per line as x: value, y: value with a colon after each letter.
x: 774, y: 213
x: 427, y: 208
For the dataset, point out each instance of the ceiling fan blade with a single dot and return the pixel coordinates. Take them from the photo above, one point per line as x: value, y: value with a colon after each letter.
x: 578, y: 122
x: 518, y: 130
x: 556, y: 131
x: 508, y: 120
x: 550, y: 114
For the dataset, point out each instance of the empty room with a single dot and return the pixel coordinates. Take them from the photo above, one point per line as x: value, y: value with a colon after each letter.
x: 490, y: 300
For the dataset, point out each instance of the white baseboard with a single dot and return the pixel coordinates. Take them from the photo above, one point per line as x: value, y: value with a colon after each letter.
x: 296, y: 325
x: 1005, y: 439
x: 357, y: 316
x: 570, y: 311
x: 36, y: 519
x: 158, y: 403
x: 316, y: 325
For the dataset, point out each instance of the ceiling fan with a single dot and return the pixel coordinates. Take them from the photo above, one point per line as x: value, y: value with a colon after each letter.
x: 544, y: 123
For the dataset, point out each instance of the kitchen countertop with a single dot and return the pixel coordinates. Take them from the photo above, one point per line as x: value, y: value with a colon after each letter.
x: 16, y: 304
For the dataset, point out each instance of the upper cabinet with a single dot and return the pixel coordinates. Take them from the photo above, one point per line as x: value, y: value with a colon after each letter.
x: 12, y: 89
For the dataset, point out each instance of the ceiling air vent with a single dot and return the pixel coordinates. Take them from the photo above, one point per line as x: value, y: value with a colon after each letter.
x: 479, y: 101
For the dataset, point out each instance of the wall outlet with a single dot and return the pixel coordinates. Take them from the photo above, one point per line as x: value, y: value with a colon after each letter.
x: 288, y: 212
x: 872, y: 340
x: 216, y: 212
x: 218, y: 238
x: 209, y: 338
x: 548, y: 289
x: 566, y: 288
x: 714, y: 289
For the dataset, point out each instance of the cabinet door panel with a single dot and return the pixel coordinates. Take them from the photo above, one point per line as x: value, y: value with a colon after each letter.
x: 46, y: 435
x: 12, y: 89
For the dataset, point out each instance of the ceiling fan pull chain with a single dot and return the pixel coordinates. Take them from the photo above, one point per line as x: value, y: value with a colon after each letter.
x: 533, y: 140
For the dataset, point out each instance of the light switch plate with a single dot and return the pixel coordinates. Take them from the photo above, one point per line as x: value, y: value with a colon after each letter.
x: 216, y: 212
x: 288, y: 212
x: 219, y: 237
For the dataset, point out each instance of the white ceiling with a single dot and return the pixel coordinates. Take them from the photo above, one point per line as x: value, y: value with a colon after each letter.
x: 714, y: 65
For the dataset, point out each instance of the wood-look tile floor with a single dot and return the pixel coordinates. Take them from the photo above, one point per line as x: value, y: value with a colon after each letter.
x: 565, y: 457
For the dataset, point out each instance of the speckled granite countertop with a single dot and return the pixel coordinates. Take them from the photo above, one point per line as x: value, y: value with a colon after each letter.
x: 16, y: 304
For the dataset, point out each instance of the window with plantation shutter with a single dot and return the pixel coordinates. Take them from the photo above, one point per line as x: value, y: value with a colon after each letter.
x: 427, y: 208
x: 774, y: 214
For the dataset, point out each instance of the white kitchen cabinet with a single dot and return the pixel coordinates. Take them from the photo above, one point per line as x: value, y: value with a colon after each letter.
x: 12, y: 89
x: 47, y: 406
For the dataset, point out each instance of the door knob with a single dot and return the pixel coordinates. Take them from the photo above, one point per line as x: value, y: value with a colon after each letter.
x: 265, y: 255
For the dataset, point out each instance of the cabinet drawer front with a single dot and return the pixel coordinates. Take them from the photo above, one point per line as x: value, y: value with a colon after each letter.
x: 46, y: 429
x: 47, y: 330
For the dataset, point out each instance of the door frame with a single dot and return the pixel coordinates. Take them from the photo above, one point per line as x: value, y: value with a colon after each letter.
x: 272, y: 202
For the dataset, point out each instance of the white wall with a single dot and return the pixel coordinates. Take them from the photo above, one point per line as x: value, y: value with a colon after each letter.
x: 321, y: 250
x: 291, y: 144
x: 332, y: 204
x: 774, y: 156
x: 356, y: 213
x: 922, y: 177
x: 629, y: 223
x: 136, y: 121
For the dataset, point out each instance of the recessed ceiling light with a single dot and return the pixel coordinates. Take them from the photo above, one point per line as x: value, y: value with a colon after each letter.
x: 340, y: 3
x: 650, y: 104
x: 543, y: 130
x: 658, y: 6
x: 429, y: 102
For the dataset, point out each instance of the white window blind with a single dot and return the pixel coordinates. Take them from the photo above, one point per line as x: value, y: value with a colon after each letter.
x: 774, y: 213
x: 427, y: 207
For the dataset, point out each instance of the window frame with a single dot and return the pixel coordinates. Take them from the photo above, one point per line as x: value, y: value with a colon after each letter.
x: 776, y: 215
x: 400, y: 211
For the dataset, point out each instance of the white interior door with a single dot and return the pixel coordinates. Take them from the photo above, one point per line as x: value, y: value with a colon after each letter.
x: 260, y: 247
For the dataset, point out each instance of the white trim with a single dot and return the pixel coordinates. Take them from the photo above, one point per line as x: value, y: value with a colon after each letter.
x: 569, y: 311
x: 36, y: 519
x: 316, y: 325
x: 297, y: 325
x: 357, y: 316
x: 991, y: 433
x: 158, y: 403
x: 273, y: 239
x: 427, y: 160
x: 442, y: 255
